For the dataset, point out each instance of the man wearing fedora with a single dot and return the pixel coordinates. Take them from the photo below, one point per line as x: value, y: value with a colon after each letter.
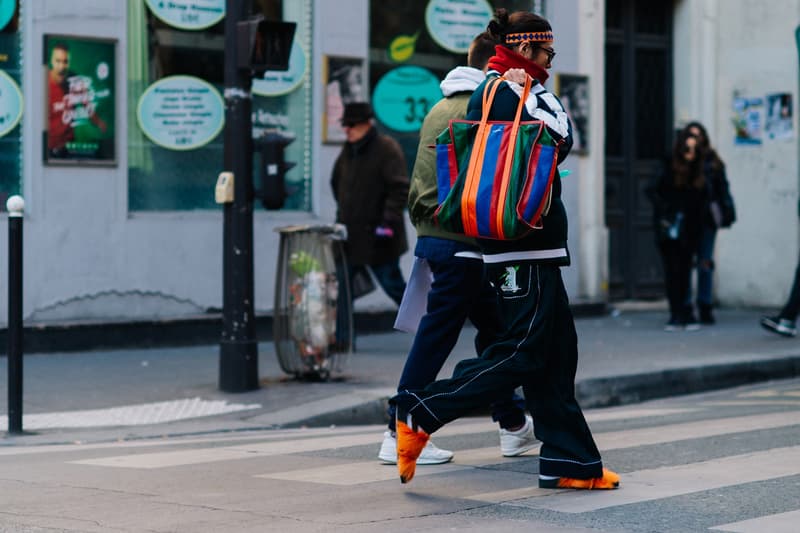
x: 370, y: 185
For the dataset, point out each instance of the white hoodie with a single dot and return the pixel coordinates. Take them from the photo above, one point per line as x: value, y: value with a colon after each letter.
x: 461, y: 79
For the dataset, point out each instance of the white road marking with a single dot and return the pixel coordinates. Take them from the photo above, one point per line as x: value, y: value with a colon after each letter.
x: 666, y: 482
x: 611, y: 440
x: 776, y: 523
x: 198, y: 456
x: 131, y: 415
x: 606, y: 441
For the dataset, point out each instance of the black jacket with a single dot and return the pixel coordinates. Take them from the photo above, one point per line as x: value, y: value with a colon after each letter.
x: 669, y: 199
x: 553, y: 234
x: 370, y: 185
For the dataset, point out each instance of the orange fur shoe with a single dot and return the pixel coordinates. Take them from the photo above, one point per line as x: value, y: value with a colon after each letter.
x: 610, y: 480
x: 410, y: 443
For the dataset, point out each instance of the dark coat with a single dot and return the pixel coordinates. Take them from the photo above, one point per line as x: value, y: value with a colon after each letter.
x: 370, y: 185
x: 669, y: 199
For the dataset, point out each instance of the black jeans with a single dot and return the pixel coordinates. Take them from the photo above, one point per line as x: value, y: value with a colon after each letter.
x: 539, y: 351
x: 677, y: 260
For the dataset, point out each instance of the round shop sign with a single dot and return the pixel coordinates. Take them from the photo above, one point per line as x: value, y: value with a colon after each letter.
x: 181, y: 112
x: 10, y: 103
x: 403, y: 96
x: 454, y: 23
x: 7, y: 9
x: 188, y: 14
x: 276, y: 82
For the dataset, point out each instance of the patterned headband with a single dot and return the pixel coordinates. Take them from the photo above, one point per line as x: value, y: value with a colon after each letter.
x: 535, y: 36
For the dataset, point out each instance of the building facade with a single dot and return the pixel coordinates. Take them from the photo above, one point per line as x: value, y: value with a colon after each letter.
x: 120, y: 219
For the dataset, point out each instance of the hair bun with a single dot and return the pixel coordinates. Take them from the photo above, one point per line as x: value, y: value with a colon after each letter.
x: 494, y: 29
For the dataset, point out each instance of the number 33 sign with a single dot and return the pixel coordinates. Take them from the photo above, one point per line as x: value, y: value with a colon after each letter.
x: 403, y: 96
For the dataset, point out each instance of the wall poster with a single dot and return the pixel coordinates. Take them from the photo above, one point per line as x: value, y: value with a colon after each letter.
x: 344, y: 79
x: 573, y: 91
x: 747, y: 120
x: 778, y: 124
x: 80, y: 126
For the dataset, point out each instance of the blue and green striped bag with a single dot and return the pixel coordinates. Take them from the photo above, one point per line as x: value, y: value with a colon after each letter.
x: 495, y: 178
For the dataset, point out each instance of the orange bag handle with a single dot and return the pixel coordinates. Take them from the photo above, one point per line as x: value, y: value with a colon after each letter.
x: 468, y: 196
x: 472, y: 181
x: 526, y: 89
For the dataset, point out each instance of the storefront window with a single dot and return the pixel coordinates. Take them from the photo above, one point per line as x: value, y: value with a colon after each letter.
x: 176, y: 106
x: 10, y: 102
x: 412, y: 47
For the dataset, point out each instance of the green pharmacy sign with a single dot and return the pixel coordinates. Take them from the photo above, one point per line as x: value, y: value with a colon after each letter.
x: 181, y: 112
x: 454, y: 23
x: 404, y: 95
x: 188, y: 14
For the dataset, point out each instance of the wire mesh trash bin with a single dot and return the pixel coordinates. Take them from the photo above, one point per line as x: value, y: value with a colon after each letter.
x: 313, y: 317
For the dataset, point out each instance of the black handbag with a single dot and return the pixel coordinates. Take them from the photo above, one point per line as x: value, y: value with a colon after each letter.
x: 721, y: 207
x: 728, y: 211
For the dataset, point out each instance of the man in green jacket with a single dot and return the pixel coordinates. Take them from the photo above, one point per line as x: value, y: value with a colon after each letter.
x: 458, y: 290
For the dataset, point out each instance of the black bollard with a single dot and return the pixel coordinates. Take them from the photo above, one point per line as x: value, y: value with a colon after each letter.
x: 15, y: 206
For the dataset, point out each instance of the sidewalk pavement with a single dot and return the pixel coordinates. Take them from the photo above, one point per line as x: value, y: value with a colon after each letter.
x: 625, y: 357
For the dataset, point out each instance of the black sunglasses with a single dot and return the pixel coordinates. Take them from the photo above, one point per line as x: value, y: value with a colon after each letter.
x: 549, y: 51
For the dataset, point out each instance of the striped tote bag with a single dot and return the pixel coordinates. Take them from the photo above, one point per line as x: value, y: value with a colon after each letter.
x: 494, y: 178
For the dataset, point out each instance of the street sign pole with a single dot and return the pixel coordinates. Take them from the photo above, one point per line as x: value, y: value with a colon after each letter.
x: 238, y: 363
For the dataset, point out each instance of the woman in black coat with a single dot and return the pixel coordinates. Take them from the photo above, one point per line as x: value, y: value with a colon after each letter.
x: 718, y: 213
x: 678, y: 200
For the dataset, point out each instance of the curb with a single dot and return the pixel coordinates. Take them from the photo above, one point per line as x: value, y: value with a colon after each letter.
x: 635, y: 388
x: 606, y: 392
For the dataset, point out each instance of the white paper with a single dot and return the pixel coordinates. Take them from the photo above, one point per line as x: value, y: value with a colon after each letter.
x: 415, y: 298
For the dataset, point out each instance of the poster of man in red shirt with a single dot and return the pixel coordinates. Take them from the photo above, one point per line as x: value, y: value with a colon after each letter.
x: 80, y: 96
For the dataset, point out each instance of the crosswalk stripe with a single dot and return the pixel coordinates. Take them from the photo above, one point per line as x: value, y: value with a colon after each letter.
x: 695, y: 430
x: 358, y: 473
x: 606, y: 441
x: 665, y: 482
x: 739, y: 403
x: 368, y: 436
x: 776, y: 523
x: 613, y: 440
x: 510, y: 495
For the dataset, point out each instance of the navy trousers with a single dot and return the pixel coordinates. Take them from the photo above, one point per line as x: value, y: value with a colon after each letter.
x: 458, y: 291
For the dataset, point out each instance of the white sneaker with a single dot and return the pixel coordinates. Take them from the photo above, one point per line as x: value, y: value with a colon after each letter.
x: 431, y: 454
x: 513, y: 443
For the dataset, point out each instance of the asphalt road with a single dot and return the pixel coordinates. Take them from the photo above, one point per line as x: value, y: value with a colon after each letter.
x: 722, y: 461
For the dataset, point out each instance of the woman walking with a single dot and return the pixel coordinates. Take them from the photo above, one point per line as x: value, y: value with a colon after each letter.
x: 538, y: 349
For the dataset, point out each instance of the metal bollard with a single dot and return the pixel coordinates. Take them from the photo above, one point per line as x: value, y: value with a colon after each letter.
x: 15, y: 206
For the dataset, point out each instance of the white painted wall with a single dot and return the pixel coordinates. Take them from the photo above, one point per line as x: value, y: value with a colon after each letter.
x: 724, y: 47
x: 87, y: 257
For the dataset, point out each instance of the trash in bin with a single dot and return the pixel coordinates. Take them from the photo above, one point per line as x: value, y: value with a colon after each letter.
x: 313, y: 316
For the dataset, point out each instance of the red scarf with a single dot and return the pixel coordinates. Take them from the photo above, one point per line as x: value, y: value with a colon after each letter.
x: 505, y: 58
